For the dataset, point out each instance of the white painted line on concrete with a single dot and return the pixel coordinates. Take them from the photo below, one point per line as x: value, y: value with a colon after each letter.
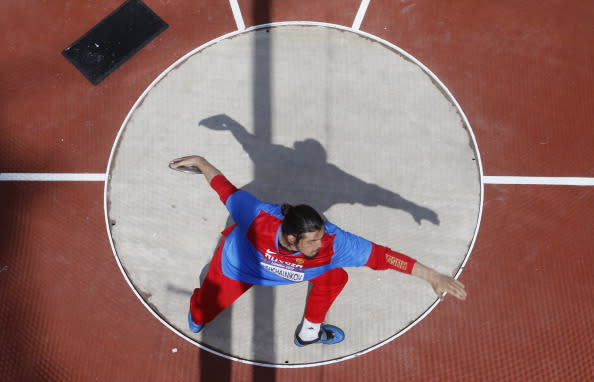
x: 539, y: 180
x: 53, y: 177
x: 360, y: 14
x: 237, y: 14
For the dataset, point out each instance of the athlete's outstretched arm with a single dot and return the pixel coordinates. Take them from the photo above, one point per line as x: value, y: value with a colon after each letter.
x: 441, y: 283
x: 382, y: 258
x: 207, y: 169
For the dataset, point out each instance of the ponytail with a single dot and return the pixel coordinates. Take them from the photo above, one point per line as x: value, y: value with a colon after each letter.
x: 300, y: 219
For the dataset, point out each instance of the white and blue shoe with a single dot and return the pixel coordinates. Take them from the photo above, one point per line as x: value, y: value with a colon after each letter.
x: 193, y: 327
x: 328, y: 335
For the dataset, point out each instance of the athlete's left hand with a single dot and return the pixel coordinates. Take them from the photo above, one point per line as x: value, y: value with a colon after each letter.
x: 443, y: 284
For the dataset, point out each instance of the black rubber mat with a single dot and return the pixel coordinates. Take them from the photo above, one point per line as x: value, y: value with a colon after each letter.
x: 114, y: 40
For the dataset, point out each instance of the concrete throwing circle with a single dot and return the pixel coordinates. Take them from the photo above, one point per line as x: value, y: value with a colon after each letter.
x: 295, y: 113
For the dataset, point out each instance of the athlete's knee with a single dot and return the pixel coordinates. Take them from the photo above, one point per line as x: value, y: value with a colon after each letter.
x: 340, y: 277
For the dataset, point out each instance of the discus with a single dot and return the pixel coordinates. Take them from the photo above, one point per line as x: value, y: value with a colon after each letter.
x: 186, y: 169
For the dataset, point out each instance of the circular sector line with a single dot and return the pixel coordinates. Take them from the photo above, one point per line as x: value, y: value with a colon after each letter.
x: 253, y: 28
x: 360, y: 14
x: 236, y: 10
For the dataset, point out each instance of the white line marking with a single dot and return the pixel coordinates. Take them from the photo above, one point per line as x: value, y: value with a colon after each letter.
x: 53, y: 177
x: 98, y: 177
x: 237, y: 14
x: 539, y: 180
x: 360, y: 14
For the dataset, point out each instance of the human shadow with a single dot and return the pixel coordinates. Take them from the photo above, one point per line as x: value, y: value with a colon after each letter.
x: 302, y: 174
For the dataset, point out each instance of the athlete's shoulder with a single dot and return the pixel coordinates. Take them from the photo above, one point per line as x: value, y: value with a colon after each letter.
x: 272, y: 209
x: 245, y: 198
x: 342, y: 238
x: 332, y: 229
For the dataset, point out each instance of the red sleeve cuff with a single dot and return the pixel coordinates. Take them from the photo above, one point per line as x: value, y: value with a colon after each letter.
x: 383, y: 258
x: 223, y: 187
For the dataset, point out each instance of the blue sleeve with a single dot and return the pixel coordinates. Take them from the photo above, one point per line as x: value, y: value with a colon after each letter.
x: 244, y: 207
x: 349, y: 250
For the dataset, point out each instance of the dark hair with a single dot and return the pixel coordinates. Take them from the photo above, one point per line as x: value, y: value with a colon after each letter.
x: 300, y: 219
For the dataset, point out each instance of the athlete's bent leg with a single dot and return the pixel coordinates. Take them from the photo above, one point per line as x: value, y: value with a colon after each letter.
x: 216, y: 293
x: 325, y: 289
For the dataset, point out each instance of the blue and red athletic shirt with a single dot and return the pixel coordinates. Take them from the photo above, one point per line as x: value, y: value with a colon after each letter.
x: 251, y: 252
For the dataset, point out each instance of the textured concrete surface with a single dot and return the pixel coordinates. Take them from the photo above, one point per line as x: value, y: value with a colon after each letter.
x: 299, y: 114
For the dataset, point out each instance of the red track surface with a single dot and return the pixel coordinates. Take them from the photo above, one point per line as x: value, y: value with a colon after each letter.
x: 521, y: 71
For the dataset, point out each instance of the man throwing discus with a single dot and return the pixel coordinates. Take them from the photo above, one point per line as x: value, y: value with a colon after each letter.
x: 273, y: 244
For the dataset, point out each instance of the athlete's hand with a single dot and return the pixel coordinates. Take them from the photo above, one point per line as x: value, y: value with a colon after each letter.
x: 440, y: 283
x: 193, y: 160
x: 445, y: 284
x: 203, y: 165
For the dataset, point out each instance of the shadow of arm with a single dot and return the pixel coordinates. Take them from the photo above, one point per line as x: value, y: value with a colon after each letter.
x: 223, y: 122
x: 383, y: 197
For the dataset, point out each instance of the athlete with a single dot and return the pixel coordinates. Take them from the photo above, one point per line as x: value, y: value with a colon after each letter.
x: 275, y: 245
